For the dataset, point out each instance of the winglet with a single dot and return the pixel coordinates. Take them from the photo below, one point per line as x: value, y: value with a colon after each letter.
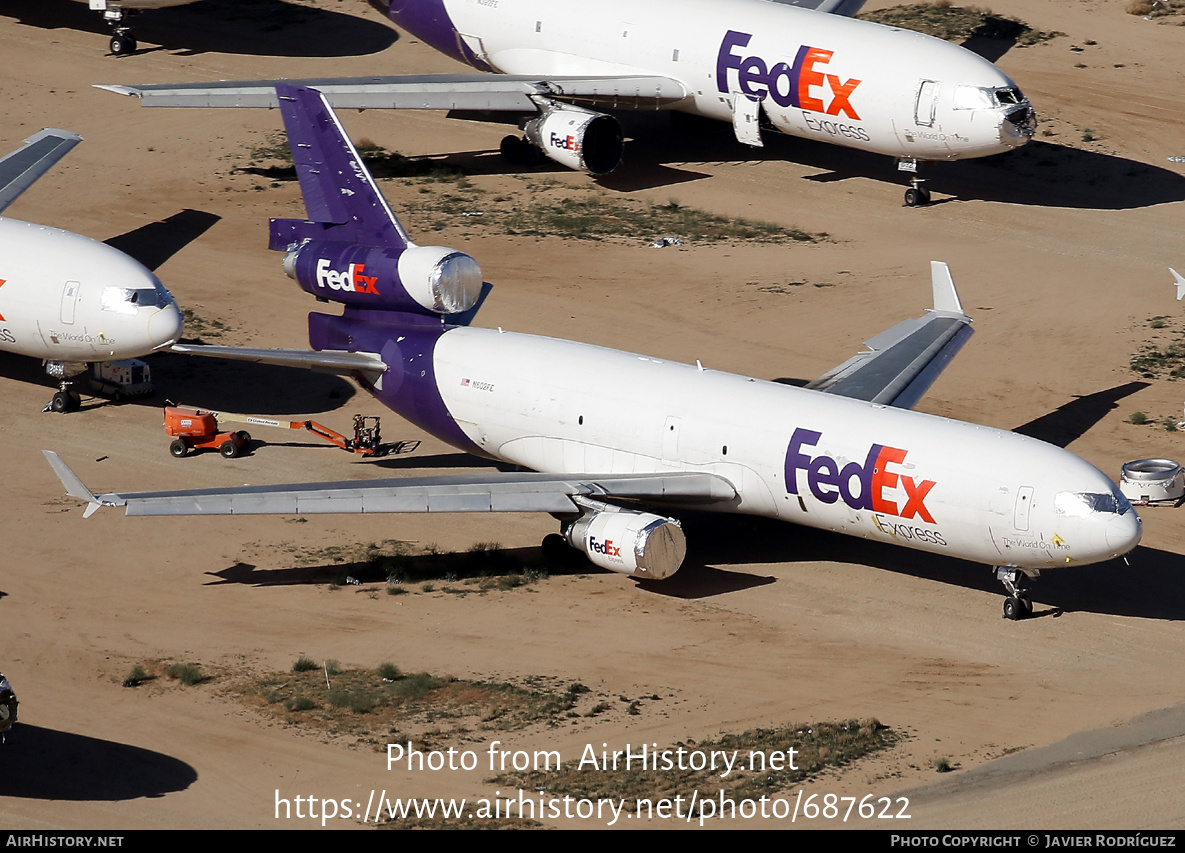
x: 341, y: 198
x: 946, y: 298
x: 1180, y: 283
x: 75, y: 488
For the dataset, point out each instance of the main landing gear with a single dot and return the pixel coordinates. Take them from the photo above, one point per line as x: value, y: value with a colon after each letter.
x: 1017, y: 605
x: 515, y: 149
x: 917, y: 195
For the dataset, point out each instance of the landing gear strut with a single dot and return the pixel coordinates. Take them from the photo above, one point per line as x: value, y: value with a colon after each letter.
x: 1017, y: 605
x: 917, y: 195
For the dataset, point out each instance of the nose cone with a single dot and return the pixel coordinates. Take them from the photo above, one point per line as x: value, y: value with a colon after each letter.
x: 1018, y: 125
x: 1123, y: 533
x: 165, y: 325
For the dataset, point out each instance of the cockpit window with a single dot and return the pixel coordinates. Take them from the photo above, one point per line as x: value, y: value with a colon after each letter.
x: 973, y: 98
x: 1081, y: 504
x: 1009, y: 97
x: 125, y: 300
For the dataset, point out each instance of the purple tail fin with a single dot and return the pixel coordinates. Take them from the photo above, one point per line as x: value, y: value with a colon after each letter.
x: 342, y: 200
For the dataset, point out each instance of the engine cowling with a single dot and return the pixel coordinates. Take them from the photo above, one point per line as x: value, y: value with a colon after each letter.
x: 420, y: 279
x: 638, y: 544
x: 578, y: 138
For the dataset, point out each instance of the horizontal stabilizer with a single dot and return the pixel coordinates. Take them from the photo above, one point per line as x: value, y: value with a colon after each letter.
x: 341, y: 362
x: 21, y: 169
x: 902, y: 363
x: 509, y: 492
x: 465, y: 92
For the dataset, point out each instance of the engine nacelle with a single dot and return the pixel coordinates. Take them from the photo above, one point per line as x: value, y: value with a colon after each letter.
x: 638, y: 544
x: 578, y: 138
x: 420, y: 279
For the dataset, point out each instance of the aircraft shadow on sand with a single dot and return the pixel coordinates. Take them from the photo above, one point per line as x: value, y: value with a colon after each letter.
x: 1074, y: 419
x: 1045, y: 174
x: 238, y: 386
x: 153, y: 244
x: 250, y: 27
x: 43, y: 764
x: 1148, y: 588
x: 258, y: 389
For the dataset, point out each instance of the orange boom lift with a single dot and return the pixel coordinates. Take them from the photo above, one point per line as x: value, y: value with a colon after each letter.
x: 196, y: 429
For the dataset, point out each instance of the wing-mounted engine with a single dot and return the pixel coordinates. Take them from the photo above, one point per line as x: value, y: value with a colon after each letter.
x: 639, y: 544
x: 416, y: 279
x: 576, y: 137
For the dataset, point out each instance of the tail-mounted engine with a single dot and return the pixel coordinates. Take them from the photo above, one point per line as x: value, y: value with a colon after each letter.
x: 639, y: 544
x: 577, y: 138
x: 418, y: 279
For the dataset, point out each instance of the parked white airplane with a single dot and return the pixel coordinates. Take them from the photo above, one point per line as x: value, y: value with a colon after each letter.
x: 68, y: 299
x: 808, y: 72
x: 615, y: 435
x: 115, y: 12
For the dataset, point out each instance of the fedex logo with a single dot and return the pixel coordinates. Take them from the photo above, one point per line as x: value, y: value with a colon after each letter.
x: 568, y: 143
x: 607, y: 547
x: 351, y: 280
x: 860, y: 486
x: 803, y: 84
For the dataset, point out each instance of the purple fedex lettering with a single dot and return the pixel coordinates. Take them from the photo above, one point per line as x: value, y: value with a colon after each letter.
x: 860, y: 486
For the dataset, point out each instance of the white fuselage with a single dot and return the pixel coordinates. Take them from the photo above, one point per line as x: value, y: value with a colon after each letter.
x: 67, y: 298
x: 817, y: 75
x: 825, y: 461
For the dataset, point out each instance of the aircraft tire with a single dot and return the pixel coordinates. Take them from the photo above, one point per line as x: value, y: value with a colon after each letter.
x: 913, y: 197
x: 1013, y: 609
x: 1026, y: 605
x: 178, y: 448
x: 64, y: 401
x: 122, y: 44
x: 511, y: 149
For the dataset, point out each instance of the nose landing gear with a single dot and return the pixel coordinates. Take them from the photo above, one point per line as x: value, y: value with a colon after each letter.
x: 122, y: 40
x: 1017, y: 605
x: 917, y: 195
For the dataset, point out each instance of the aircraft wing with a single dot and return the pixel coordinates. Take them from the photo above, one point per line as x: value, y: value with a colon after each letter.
x: 512, y: 492
x: 20, y: 169
x: 902, y: 363
x: 474, y: 91
x: 324, y: 361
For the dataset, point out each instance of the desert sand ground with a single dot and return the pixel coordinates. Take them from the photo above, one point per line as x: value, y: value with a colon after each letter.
x: 1074, y: 719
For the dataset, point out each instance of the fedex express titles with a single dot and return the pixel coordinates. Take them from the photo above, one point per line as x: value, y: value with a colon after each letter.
x: 870, y: 486
x: 804, y: 84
